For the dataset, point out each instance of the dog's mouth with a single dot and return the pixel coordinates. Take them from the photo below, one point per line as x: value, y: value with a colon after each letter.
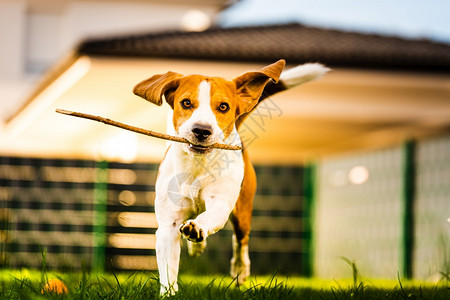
x: 199, y: 149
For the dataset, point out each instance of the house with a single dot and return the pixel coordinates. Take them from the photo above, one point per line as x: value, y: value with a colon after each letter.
x: 382, y: 92
x: 345, y: 111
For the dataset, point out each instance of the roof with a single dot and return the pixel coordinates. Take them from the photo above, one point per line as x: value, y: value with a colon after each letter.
x: 294, y: 42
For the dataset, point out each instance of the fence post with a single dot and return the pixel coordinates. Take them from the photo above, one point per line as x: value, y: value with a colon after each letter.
x: 408, y: 199
x: 100, y: 217
x: 309, y: 194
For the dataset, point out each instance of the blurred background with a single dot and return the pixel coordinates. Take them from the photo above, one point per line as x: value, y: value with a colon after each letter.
x: 355, y: 165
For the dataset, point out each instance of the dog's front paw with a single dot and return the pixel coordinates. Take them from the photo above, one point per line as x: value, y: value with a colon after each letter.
x: 192, y: 231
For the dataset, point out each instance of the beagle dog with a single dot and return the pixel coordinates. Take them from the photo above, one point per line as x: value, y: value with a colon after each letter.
x: 198, y: 188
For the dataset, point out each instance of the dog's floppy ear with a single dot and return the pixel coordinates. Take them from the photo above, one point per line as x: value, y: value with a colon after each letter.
x: 154, y: 88
x: 249, y: 86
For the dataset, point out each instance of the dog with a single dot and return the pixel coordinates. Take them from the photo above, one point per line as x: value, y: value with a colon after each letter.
x: 198, y: 188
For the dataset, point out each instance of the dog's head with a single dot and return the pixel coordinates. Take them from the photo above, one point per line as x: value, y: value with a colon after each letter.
x: 205, y: 108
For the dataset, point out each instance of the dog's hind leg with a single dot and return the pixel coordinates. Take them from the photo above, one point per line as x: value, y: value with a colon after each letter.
x: 241, y: 219
x: 240, y: 262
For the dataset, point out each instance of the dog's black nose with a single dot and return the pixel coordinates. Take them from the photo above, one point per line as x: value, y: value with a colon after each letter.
x: 201, y: 131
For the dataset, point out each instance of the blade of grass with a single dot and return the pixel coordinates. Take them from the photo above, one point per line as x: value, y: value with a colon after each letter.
x: 44, y: 277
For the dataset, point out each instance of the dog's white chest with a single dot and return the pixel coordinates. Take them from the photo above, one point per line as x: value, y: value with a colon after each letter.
x: 189, y: 181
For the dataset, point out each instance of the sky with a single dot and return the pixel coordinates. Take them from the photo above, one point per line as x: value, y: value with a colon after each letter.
x: 429, y: 19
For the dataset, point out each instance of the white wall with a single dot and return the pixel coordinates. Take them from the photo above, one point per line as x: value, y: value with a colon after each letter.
x: 50, y: 34
x: 36, y: 34
x: 12, y: 30
x: 43, y: 35
x: 12, y: 55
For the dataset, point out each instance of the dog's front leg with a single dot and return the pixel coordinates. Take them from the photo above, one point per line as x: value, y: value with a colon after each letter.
x: 168, y: 258
x: 220, y: 199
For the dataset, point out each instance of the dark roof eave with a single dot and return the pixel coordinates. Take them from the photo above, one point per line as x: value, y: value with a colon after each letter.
x: 293, y: 42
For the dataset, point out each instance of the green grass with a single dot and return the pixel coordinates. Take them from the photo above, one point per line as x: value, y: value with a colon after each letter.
x: 27, y: 284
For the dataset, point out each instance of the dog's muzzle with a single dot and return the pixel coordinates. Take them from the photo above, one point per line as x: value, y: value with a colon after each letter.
x: 201, y: 134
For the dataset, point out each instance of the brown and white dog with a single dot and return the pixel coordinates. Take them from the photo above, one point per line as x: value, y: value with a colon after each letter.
x: 199, y: 188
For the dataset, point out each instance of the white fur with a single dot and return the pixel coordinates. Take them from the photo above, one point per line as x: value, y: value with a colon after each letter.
x: 202, y: 115
x: 207, y: 196
x: 302, y: 74
x: 195, y: 249
x: 240, y: 262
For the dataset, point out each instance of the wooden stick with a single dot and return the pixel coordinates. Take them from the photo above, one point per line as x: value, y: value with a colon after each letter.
x: 141, y: 130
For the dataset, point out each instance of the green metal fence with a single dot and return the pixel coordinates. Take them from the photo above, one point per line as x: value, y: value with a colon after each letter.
x: 46, y: 205
x: 387, y: 210
x: 359, y: 221
x: 100, y: 214
x: 432, y: 209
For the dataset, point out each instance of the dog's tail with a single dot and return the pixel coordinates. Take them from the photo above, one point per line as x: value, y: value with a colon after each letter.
x: 289, y: 79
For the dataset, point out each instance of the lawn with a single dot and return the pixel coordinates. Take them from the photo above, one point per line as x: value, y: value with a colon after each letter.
x: 28, y: 284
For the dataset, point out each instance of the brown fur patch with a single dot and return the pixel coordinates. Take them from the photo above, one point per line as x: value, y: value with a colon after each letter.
x: 222, y: 91
x: 241, y: 217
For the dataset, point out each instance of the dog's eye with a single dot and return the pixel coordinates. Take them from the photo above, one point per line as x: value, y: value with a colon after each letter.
x: 186, y: 103
x: 224, y: 107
